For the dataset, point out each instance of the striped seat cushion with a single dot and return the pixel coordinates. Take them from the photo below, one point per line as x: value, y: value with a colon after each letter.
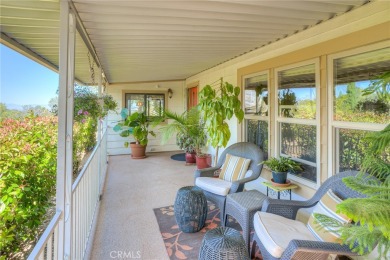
x: 327, y: 206
x: 234, y: 168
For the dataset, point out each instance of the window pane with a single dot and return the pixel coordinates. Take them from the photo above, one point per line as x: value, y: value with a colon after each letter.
x: 353, y: 75
x: 155, y: 105
x: 297, y: 92
x: 299, y: 141
x: 256, y: 95
x: 135, y: 103
x: 257, y: 133
x: 351, y: 148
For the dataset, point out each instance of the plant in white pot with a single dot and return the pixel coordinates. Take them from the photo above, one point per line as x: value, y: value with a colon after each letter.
x: 136, y: 124
x: 280, y: 167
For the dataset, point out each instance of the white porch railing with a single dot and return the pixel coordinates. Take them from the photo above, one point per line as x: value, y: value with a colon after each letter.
x: 85, y: 198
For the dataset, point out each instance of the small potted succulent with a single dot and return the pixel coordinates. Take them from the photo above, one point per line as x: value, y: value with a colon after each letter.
x: 280, y: 167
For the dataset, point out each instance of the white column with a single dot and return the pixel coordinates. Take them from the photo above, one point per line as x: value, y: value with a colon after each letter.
x: 100, y: 93
x: 65, y: 129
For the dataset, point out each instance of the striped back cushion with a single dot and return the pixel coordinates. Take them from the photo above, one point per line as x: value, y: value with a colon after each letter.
x: 234, y: 168
x: 326, y: 206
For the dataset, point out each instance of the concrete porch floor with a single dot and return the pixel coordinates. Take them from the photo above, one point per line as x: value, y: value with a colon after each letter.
x: 126, y: 222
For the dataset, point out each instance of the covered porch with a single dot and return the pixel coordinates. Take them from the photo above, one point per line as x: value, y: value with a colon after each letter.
x: 137, y: 48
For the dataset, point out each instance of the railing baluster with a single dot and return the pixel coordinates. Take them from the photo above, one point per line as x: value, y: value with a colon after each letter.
x: 86, y: 191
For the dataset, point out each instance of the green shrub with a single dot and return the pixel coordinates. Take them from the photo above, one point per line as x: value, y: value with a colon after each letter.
x: 28, y: 161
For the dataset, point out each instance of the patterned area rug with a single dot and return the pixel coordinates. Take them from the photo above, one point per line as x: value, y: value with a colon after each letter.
x: 182, y: 245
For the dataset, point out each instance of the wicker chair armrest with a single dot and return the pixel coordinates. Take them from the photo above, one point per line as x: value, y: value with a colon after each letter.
x: 238, y: 186
x: 206, y: 172
x: 306, y: 249
x: 285, y: 208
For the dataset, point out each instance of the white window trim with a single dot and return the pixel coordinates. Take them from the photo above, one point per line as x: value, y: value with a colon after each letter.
x: 333, y: 124
x: 257, y: 117
x: 315, y: 121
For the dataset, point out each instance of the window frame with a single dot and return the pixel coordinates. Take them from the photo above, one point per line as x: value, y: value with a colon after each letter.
x: 316, y: 122
x: 145, y: 94
x: 257, y: 117
x: 333, y: 125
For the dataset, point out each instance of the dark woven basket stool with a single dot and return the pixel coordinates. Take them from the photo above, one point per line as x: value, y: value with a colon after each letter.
x: 190, y: 209
x: 223, y: 243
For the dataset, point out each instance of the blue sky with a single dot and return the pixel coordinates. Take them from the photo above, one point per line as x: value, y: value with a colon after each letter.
x: 24, y: 81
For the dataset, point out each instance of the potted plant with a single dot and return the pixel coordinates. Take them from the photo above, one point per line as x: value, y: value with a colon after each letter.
x: 188, y: 127
x: 280, y: 167
x: 136, y: 124
x: 216, y: 107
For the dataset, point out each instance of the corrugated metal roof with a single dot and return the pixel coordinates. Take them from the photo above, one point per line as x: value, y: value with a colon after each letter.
x: 163, y: 40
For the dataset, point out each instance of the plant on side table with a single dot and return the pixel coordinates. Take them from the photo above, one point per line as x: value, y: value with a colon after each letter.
x: 136, y: 124
x: 280, y: 167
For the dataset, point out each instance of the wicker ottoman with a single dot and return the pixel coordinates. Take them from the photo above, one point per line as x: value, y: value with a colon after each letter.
x: 223, y: 243
x: 242, y: 206
x: 190, y: 209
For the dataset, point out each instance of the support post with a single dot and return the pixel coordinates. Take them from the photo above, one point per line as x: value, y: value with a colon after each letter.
x: 65, y: 129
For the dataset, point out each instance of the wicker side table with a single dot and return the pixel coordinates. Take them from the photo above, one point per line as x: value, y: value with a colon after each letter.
x: 190, y: 209
x: 242, y: 206
x: 223, y: 243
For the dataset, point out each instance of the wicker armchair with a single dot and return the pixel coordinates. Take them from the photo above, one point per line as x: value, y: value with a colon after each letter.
x: 242, y: 149
x: 299, y: 248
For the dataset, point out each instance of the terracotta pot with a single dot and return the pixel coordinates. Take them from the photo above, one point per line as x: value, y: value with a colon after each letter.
x: 190, y: 157
x: 137, y: 151
x: 203, y: 162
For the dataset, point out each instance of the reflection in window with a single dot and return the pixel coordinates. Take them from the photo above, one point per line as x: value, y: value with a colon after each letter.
x: 150, y: 104
x: 257, y: 133
x: 354, y: 77
x: 256, y: 95
x: 351, y: 148
x: 297, y: 92
x: 299, y: 141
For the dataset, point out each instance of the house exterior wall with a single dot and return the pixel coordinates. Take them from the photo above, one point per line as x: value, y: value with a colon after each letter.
x: 364, y: 26
x: 115, y: 143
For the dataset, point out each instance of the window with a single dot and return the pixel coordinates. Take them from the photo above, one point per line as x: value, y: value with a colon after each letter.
x: 150, y: 104
x: 361, y: 102
x: 297, y: 118
x: 256, y: 110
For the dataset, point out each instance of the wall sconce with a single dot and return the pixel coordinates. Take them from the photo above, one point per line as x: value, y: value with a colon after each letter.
x: 170, y: 93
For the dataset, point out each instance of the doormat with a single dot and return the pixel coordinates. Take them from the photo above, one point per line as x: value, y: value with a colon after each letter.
x: 179, y: 157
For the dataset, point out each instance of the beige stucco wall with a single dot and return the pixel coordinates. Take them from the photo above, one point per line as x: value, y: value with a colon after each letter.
x: 361, y: 27
x: 175, y: 104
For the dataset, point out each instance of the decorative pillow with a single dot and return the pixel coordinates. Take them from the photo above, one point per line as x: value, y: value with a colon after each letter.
x: 326, y: 206
x: 234, y: 168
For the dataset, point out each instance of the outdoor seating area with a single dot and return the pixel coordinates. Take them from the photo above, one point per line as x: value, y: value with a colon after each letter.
x: 197, y: 130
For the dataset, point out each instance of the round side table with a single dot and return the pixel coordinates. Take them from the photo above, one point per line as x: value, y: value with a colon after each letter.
x: 190, y: 209
x: 223, y: 243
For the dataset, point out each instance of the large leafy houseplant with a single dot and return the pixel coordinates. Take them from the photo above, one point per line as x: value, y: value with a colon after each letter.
x: 370, y: 215
x: 136, y: 124
x: 217, y: 105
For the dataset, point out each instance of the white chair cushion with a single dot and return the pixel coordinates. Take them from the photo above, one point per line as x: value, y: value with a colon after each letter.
x: 275, y: 232
x: 214, y: 185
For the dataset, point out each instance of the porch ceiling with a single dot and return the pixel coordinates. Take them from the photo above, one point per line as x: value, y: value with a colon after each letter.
x: 163, y: 40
